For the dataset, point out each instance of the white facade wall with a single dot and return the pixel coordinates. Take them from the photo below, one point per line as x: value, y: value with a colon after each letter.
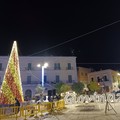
x: 36, y: 73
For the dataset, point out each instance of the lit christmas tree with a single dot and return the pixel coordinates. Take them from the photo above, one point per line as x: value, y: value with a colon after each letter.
x: 11, y: 88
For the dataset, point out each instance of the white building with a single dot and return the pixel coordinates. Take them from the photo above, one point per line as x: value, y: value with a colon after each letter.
x: 60, y: 69
x: 106, y: 78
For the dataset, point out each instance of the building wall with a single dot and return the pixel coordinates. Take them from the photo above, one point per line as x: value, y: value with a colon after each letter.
x: 83, y: 74
x: 115, y: 80
x: 106, y: 78
x: 35, y: 73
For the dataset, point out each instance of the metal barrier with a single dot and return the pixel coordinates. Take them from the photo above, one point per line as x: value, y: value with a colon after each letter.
x: 30, y: 110
x: 9, y: 112
x: 58, y: 105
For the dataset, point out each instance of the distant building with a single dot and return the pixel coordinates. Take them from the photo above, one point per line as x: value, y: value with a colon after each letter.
x: 83, y: 74
x: 108, y: 79
x: 60, y: 69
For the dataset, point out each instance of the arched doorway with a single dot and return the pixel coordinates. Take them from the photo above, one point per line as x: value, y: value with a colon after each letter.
x: 28, y: 94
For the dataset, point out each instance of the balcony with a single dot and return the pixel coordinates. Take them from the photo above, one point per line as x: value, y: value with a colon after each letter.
x: 69, y: 68
x: 29, y: 83
x: 27, y: 68
x: 33, y: 82
x: 69, y: 81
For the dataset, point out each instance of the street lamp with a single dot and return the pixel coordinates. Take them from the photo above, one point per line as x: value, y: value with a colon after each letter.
x: 118, y: 74
x: 43, y: 67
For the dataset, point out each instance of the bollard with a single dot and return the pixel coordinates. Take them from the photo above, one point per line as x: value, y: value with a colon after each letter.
x: 16, y: 113
x: 38, y: 107
x: 22, y: 111
x: 16, y: 116
x: 25, y: 113
x: 36, y: 114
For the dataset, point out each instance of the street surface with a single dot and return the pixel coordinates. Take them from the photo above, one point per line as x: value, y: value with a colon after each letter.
x: 89, y: 111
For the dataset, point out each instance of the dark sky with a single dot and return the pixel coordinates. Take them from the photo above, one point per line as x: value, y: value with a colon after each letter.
x: 38, y: 26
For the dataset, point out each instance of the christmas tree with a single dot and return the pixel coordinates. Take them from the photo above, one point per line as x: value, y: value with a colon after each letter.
x: 11, y: 88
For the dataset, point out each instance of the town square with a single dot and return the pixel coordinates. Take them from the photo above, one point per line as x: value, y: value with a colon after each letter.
x: 60, y: 60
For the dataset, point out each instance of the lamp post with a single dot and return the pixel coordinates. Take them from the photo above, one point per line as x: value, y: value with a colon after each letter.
x: 43, y: 67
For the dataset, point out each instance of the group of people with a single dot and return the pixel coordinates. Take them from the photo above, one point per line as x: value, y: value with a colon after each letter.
x: 49, y: 98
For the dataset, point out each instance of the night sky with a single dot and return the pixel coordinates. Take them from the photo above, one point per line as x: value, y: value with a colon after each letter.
x: 51, y: 28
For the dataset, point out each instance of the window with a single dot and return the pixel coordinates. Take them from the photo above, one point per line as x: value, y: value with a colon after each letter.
x: 98, y: 79
x: 57, y: 78
x: 28, y: 79
x: 82, y: 73
x: 69, y: 66
x: 29, y: 66
x: 113, y: 78
x: 92, y: 79
x: 0, y: 81
x: 57, y: 66
x: 105, y: 78
x: 0, y: 66
x: 70, y: 78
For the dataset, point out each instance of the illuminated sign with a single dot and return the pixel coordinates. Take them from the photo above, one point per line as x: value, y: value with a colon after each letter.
x: 71, y: 98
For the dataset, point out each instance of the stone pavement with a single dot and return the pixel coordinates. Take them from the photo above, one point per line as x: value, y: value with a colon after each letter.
x: 90, y: 111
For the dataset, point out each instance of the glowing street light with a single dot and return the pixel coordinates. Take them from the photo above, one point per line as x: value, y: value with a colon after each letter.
x: 43, y: 67
x: 118, y: 74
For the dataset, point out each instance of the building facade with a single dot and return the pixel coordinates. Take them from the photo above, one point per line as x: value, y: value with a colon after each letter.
x: 60, y: 69
x: 108, y: 79
x: 83, y: 74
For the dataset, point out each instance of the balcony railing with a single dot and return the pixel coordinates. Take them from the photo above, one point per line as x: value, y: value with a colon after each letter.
x: 27, y: 68
x: 69, y: 81
x: 32, y: 82
x: 69, y: 68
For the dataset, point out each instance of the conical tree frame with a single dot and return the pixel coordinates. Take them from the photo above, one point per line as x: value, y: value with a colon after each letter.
x: 11, y: 88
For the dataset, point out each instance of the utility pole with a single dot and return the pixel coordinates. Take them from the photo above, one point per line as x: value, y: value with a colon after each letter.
x: 107, y: 105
